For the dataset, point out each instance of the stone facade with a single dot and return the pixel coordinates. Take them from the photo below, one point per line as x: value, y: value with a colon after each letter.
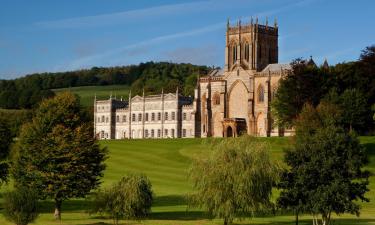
x: 226, y: 103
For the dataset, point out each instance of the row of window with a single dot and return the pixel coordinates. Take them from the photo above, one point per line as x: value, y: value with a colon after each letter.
x: 154, y: 117
x: 157, y: 133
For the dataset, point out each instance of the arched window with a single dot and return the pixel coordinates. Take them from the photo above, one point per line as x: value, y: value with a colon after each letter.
x: 260, y: 93
x: 247, y: 52
x: 102, y: 119
x: 234, y: 53
x: 216, y: 99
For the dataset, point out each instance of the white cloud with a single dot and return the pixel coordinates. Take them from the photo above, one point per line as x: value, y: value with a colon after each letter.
x: 130, y: 16
x: 96, y: 58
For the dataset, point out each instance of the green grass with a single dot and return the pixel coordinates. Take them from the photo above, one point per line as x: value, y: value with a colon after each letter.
x: 166, y: 163
x: 87, y: 93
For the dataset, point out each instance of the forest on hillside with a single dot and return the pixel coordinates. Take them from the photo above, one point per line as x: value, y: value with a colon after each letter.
x: 27, y: 91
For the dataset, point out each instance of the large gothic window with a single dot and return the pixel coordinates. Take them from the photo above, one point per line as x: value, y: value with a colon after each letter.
x: 260, y: 94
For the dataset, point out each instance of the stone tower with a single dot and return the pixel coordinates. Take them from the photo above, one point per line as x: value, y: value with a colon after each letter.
x: 252, y: 46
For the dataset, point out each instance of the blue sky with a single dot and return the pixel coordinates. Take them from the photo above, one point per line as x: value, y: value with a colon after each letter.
x: 51, y: 35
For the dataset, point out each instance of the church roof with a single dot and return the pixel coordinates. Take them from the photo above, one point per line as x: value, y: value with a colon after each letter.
x: 277, y: 67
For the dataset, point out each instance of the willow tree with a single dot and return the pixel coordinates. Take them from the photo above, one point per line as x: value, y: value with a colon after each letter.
x: 235, y: 180
x: 57, y: 154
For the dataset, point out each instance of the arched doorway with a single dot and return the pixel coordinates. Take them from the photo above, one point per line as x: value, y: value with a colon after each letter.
x: 229, y: 131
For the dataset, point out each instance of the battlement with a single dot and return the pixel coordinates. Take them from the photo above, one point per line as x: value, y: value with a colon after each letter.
x: 252, y: 27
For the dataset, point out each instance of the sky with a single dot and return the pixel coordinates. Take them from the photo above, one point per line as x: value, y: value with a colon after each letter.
x: 51, y: 35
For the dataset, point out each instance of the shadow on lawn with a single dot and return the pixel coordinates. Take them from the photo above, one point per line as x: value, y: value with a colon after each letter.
x: 169, y: 200
x: 370, y: 148
x: 358, y: 221
x: 187, y: 215
x: 48, y: 206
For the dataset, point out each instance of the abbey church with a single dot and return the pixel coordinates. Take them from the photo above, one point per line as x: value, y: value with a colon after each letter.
x: 226, y: 103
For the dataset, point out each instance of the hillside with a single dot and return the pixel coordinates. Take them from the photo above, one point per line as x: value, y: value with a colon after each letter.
x: 87, y: 93
x: 166, y: 163
x: 27, y: 91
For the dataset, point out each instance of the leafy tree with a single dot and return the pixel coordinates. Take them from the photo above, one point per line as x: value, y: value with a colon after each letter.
x: 303, y: 85
x: 130, y: 198
x: 57, y: 154
x: 355, y: 113
x: 21, y: 206
x: 5, y: 142
x: 236, y: 179
x: 326, y: 166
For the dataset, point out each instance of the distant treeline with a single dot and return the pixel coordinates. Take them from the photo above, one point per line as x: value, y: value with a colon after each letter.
x: 25, y: 92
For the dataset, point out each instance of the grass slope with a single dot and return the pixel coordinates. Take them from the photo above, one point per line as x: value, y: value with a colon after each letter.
x: 166, y: 163
x: 87, y: 93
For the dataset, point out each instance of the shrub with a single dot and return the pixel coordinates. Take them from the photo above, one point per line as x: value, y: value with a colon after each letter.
x: 130, y: 198
x: 21, y: 206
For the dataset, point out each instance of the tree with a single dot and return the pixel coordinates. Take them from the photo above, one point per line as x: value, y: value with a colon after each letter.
x: 236, y: 179
x: 355, y: 112
x: 56, y: 153
x: 303, y: 85
x: 130, y: 198
x: 21, y: 206
x: 326, y: 166
x: 5, y: 142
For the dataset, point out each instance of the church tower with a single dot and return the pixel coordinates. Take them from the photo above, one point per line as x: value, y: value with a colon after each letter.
x: 252, y: 46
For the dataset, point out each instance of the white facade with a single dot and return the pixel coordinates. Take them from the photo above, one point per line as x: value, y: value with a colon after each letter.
x: 155, y: 116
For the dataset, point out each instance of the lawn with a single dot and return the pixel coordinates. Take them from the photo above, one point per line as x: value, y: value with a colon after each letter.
x: 166, y: 163
x: 87, y: 93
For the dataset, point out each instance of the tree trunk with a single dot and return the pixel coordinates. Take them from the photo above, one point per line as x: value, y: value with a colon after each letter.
x: 297, y: 216
x: 225, y: 221
x: 58, y: 209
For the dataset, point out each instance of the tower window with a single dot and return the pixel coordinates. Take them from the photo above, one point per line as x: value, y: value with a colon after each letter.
x: 260, y: 94
x: 123, y: 118
x: 146, y: 117
x: 234, y: 53
x: 152, y: 116
x: 173, y: 115
x: 247, y: 52
x: 139, y: 116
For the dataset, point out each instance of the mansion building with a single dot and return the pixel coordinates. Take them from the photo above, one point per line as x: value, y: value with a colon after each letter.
x: 226, y: 103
